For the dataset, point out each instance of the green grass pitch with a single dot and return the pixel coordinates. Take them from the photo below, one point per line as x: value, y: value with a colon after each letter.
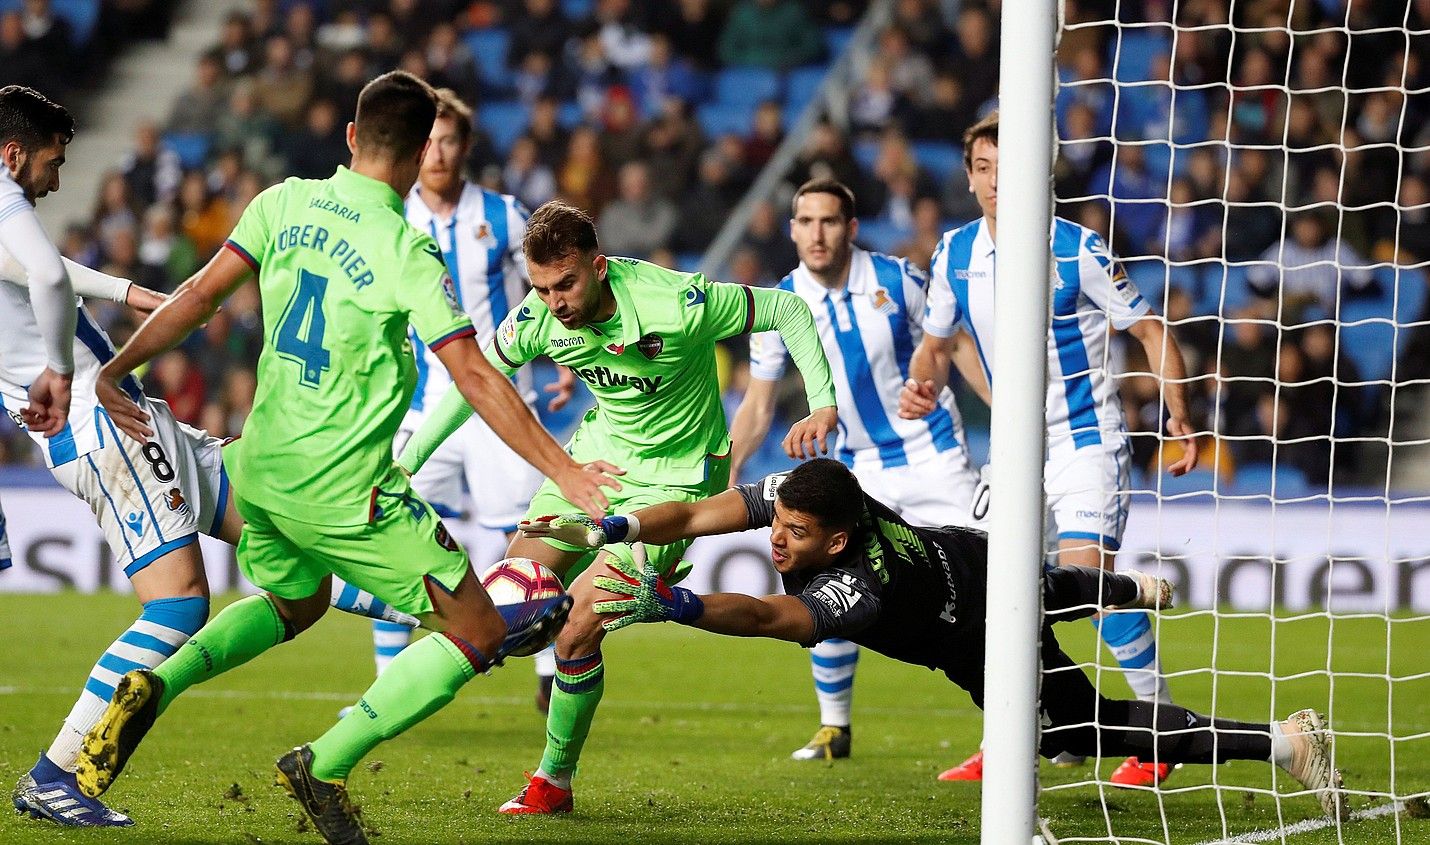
x: 692, y: 741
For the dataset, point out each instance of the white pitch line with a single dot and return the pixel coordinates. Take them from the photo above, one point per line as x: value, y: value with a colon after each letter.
x: 1308, y: 826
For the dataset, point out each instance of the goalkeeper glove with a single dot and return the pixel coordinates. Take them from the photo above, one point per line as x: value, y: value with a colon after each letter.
x: 582, y: 531
x: 644, y: 595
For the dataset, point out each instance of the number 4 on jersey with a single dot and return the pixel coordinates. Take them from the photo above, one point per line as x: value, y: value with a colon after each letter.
x: 305, y: 312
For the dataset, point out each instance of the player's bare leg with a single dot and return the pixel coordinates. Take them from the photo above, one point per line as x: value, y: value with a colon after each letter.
x: 174, y: 593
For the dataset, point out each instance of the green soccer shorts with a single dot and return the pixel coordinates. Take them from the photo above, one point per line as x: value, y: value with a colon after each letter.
x: 669, y: 560
x: 391, y: 556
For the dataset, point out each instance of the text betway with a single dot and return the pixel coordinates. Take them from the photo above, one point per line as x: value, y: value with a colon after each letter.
x: 606, y: 377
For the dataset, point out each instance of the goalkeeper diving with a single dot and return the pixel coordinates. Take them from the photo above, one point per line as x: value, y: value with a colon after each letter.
x: 852, y: 568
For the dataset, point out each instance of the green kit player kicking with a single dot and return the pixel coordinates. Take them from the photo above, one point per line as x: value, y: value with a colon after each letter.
x: 643, y: 339
x: 341, y: 275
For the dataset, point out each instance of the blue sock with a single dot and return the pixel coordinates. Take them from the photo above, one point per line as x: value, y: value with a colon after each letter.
x: 164, y: 625
x: 350, y: 599
x: 833, y: 663
x: 388, y: 641
x: 1129, y: 636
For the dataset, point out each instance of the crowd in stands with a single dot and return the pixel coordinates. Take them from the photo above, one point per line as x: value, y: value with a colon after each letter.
x: 657, y: 116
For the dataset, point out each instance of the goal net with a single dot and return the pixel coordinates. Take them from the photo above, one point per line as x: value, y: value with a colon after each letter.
x: 1260, y: 169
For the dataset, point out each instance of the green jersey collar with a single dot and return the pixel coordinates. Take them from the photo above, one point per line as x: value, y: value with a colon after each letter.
x: 356, y: 186
x: 625, y: 306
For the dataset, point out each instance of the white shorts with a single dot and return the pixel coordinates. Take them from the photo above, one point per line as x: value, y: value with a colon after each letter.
x: 500, y: 482
x: 1088, y: 490
x: 933, y: 489
x: 150, y: 498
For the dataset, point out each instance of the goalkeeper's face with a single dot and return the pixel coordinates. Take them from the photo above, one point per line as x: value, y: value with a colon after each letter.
x: 798, y: 540
x: 983, y: 176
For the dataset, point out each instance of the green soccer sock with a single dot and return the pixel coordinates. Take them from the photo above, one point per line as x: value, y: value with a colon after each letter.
x: 580, y: 682
x: 241, y: 632
x: 417, y: 683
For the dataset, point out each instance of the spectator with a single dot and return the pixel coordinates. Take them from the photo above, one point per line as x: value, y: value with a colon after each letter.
x: 181, y: 384
x: 151, y: 170
x: 300, y: 26
x: 121, y: 256
x: 703, y: 209
x: 664, y: 75
x: 545, y: 130
x: 694, y: 28
x: 483, y: 153
x: 116, y: 208
x: 1248, y: 364
x: 976, y: 55
x: 626, y: 45
x: 1310, y: 267
x: 198, y: 108
x: 745, y: 269
x: 541, y: 28
x: 910, y: 72
x: 922, y: 24
x: 583, y: 179
x: 341, y: 35
x: 168, y: 256
x: 775, y: 34
x: 234, y: 50
x: 765, y: 136
x: 946, y: 114
x: 536, y: 78
x: 1127, y: 183
x: 637, y: 222
x: 620, y: 128
x: 928, y: 230
x: 50, y: 36
x: 450, y: 62
x: 245, y: 127
x: 874, y: 104
x: 342, y: 86
x: 21, y: 61
x: 317, y: 150
x: 768, y: 235
x: 204, y: 219
x: 592, y: 72
x: 283, y: 88
x: 384, y: 45
x: 1409, y: 227
x: 826, y: 155
x: 671, y: 146
x: 526, y: 177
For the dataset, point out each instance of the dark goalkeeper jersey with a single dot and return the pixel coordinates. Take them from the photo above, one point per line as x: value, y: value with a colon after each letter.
x: 907, y: 592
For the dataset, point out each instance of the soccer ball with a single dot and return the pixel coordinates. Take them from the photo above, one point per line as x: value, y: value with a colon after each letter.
x: 519, y: 579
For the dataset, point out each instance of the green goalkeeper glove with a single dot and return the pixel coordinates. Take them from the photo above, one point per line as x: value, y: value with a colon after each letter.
x: 644, y: 595
x: 582, y: 531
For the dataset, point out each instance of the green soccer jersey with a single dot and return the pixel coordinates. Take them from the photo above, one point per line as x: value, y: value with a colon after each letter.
x: 341, y: 275
x: 651, y: 368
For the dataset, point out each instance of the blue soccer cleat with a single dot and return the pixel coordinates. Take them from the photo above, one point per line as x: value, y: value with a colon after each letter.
x: 48, y: 792
x: 531, y: 625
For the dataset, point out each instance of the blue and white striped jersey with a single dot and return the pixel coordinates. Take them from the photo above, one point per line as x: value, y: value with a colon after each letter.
x: 1090, y: 290
x: 869, y: 330
x: 481, y: 244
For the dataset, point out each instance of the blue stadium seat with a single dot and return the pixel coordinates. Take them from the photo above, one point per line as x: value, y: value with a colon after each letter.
x: 1258, y: 479
x: 865, y: 153
x: 1371, y: 337
x: 724, y: 119
x: 569, y: 115
x: 688, y: 262
x: 82, y: 15
x: 504, y: 121
x: 800, y: 87
x: 836, y: 38
x: 881, y: 235
x: 1199, y: 480
x: 489, y: 47
x: 939, y: 158
x: 1134, y: 54
x: 746, y: 86
x: 1149, y: 275
x: 577, y: 9
x: 192, y: 148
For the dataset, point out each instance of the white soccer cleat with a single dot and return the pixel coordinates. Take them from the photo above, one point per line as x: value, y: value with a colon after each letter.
x: 1310, y: 764
x: 1153, y: 593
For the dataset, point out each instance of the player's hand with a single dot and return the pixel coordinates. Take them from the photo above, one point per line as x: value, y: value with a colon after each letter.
x: 1187, y: 436
x: 641, y: 594
x: 562, y: 389
x: 144, y: 300
x: 580, y: 484
x: 125, y: 412
x: 573, y: 529
x: 49, y: 408
x: 809, y: 438
x: 917, y: 400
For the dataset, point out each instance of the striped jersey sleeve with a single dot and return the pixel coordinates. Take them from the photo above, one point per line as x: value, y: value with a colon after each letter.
x: 1104, y: 281
x: 942, y: 310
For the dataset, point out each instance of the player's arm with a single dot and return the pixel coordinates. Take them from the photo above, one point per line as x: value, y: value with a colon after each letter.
x: 1165, y: 357
x: 757, y: 410
x: 192, y: 305
x: 52, y: 299
x: 939, y: 347
x: 500, y: 407
x: 662, y: 524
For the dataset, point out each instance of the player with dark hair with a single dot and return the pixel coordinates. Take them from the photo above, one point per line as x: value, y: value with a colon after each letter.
x: 853, y: 568
x: 643, y: 339
x: 342, y: 276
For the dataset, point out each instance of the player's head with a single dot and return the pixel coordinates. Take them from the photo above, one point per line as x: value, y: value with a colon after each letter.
x: 980, y: 157
x: 394, y: 117
x: 33, y: 133
x: 447, y: 144
x: 817, y: 510
x: 567, y: 271
x: 822, y: 225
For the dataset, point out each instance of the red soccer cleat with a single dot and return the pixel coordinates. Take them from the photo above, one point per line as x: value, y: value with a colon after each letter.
x: 538, y: 797
x: 1134, y: 773
x: 970, y: 769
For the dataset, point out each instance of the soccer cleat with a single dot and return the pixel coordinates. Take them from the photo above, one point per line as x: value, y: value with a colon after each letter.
x: 1068, y: 760
x: 1310, y: 739
x: 109, y: 744
x: 830, y: 742
x: 969, y: 770
x: 1134, y: 773
x: 61, y: 802
x: 532, y: 625
x: 325, y: 802
x: 1153, y: 593
x: 539, y: 797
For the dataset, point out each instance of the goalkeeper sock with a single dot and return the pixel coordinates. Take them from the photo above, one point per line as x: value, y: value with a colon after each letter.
x: 833, y: 663
x: 1167, y: 733
x: 164, y: 625
x: 580, y: 683
x: 1129, y: 636
x: 241, y: 632
x: 418, y: 682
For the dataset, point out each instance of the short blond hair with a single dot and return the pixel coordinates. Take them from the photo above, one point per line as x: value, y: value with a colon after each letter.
x: 985, y: 129
x: 451, y: 105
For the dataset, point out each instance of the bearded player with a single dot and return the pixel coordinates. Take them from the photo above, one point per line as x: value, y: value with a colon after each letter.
x: 643, y: 339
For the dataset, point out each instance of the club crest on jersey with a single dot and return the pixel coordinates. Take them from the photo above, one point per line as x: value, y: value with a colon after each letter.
x: 483, y: 230
x: 882, y: 303
x: 650, y: 345
x: 175, y: 500
x: 693, y: 297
